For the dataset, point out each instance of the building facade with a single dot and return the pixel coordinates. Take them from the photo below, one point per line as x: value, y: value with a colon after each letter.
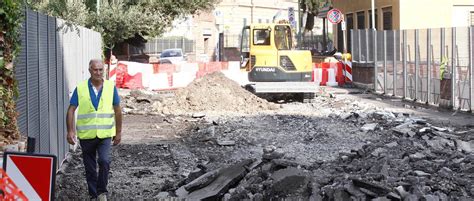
x: 227, y: 19
x: 404, y: 14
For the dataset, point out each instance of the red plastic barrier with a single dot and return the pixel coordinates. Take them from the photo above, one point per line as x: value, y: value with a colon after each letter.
x: 121, y: 73
x: 133, y: 82
x: 213, y: 67
x: 163, y: 68
x: 324, y: 77
x: 340, y: 74
x: 9, y: 189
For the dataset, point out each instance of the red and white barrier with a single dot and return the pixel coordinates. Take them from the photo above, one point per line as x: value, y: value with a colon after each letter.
x: 348, y: 71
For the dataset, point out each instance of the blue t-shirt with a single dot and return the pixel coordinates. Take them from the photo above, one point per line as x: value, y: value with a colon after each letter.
x: 95, y: 99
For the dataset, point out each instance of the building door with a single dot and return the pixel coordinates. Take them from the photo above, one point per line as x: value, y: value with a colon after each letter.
x: 349, y: 27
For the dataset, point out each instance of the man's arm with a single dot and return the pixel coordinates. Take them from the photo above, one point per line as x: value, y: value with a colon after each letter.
x: 118, y: 124
x: 71, y: 131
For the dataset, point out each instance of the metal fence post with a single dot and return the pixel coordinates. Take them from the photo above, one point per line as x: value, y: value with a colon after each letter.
x: 352, y: 42
x: 417, y: 63
x: 471, y: 68
x: 405, y: 50
x: 384, y: 61
x: 394, y: 63
x: 453, y: 66
x: 358, y: 41
x: 428, y: 56
x: 375, y: 58
x: 367, y: 45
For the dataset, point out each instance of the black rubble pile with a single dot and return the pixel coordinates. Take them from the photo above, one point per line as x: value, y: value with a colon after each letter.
x: 413, y: 160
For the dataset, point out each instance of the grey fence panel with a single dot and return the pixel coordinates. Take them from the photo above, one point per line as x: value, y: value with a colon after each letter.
x: 45, y: 81
x: 32, y: 76
x: 431, y: 66
x: 61, y: 92
x: 157, y: 45
x: 52, y: 88
x: 20, y: 75
x: 471, y: 67
x: 462, y: 68
x: 44, y: 132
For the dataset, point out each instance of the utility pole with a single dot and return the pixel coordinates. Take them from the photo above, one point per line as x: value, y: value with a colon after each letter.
x: 299, y: 24
x: 373, y: 14
x: 251, y: 11
x: 97, y: 6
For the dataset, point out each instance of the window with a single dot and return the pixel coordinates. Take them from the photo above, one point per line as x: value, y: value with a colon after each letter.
x: 206, y: 45
x: 259, y: 20
x: 376, y: 19
x: 245, y: 21
x: 283, y: 37
x: 387, y: 18
x: 268, y: 21
x: 472, y: 18
x: 261, y: 37
x: 349, y: 26
x: 361, y: 20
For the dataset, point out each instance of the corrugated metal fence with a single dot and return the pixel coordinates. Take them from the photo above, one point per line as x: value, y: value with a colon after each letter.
x: 49, y: 66
x: 410, y: 64
x: 156, y: 46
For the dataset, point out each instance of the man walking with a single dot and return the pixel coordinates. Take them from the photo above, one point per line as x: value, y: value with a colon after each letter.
x: 99, y: 122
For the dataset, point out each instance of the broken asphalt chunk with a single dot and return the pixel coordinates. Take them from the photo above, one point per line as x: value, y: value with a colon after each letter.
x: 218, y: 187
x: 369, y: 127
x: 290, y: 181
x: 377, y: 189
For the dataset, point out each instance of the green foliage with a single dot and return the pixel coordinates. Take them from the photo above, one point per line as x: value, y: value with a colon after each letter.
x: 119, y: 20
x: 73, y: 12
x: 11, y: 19
x: 311, y: 6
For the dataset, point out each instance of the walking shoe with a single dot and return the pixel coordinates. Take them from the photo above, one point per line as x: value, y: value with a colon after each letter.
x: 102, y: 197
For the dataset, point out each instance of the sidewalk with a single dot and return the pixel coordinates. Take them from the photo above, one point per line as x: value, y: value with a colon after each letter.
x: 443, y: 116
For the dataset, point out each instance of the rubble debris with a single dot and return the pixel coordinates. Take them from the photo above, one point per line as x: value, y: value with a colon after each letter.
x: 226, y: 177
x: 198, y: 115
x: 226, y: 142
x: 369, y: 127
x: 290, y: 181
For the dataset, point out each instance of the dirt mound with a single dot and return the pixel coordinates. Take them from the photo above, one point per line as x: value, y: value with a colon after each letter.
x: 213, y: 92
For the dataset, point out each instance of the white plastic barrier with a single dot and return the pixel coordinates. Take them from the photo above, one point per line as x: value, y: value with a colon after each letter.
x: 331, y: 78
x: 159, y: 81
x: 318, y: 75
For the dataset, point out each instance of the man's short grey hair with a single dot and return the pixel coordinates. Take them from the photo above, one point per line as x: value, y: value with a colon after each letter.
x: 94, y: 61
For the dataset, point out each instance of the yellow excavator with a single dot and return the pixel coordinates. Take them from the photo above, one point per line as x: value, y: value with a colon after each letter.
x: 272, y: 63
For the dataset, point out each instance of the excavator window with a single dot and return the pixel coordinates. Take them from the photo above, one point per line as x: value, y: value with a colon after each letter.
x: 283, y: 37
x: 261, y: 37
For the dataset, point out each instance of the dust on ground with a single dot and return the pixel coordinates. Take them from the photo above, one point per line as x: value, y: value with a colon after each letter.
x: 338, y: 148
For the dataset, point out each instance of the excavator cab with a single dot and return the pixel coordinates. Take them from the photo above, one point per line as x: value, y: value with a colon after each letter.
x: 267, y: 54
x: 273, y: 65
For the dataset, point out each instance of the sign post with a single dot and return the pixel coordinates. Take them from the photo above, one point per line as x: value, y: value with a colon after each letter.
x: 34, y: 174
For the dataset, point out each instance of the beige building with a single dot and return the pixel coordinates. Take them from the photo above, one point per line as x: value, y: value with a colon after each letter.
x: 405, y: 14
x: 228, y: 18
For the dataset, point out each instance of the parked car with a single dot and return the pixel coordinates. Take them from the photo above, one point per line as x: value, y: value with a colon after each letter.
x: 174, y: 56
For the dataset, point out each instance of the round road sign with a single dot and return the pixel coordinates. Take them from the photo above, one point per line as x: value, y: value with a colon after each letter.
x: 335, y: 16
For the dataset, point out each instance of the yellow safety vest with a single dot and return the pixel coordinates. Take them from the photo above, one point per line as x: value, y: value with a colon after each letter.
x: 91, y: 123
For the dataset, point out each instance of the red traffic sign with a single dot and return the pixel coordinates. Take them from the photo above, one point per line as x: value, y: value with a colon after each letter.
x: 335, y: 16
x: 34, y: 174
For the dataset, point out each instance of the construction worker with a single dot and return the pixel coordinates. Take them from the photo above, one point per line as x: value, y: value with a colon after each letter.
x: 99, y: 122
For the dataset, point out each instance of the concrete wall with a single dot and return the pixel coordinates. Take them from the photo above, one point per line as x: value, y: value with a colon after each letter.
x: 422, y: 14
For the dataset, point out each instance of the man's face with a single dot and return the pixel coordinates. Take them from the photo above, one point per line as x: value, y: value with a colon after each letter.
x: 96, y: 70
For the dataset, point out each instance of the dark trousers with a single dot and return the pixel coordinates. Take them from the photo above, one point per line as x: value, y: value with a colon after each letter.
x: 97, y: 184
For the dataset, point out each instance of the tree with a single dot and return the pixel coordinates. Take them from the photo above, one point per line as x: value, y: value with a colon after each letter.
x: 311, y: 7
x: 119, y: 20
x: 11, y: 18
